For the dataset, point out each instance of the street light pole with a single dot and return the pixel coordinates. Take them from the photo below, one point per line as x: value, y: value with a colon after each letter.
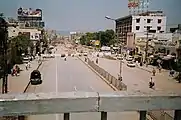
x: 120, y: 47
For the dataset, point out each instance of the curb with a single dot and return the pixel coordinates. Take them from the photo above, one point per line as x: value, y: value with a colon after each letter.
x: 107, y: 82
x: 29, y: 81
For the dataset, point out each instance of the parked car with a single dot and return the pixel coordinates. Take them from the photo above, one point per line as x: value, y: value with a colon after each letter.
x: 120, y: 57
x: 62, y: 55
x: 85, y: 54
x: 129, y: 58
x: 131, y: 64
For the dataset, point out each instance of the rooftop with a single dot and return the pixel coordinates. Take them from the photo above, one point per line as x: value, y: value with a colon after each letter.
x: 148, y: 13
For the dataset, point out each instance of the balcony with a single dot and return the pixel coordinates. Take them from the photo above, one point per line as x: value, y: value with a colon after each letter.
x: 76, y: 102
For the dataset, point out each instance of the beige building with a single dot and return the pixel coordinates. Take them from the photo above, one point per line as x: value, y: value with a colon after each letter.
x: 157, y: 42
x: 34, y: 34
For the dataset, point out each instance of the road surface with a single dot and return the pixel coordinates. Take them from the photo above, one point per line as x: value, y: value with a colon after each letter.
x: 137, y: 79
x: 73, y: 75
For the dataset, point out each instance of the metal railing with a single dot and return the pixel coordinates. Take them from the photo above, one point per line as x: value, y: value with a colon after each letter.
x: 76, y: 102
x: 111, y: 79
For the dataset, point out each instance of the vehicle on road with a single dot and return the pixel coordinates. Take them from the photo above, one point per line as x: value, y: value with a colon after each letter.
x: 35, y: 78
x: 26, y: 59
x: 120, y: 57
x: 129, y: 58
x: 131, y: 64
x: 48, y: 56
x: 62, y: 55
x: 85, y: 54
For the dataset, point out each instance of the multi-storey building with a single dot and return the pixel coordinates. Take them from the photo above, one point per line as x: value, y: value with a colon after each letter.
x: 152, y: 21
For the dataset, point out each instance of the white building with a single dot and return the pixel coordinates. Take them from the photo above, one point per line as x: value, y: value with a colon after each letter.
x: 154, y: 21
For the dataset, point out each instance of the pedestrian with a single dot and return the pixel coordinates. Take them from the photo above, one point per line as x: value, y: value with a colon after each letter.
x: 159, y: 69
x: 154, y: 71
x: 151, y: 83
x: 29, y: 64
x: 26, y: 66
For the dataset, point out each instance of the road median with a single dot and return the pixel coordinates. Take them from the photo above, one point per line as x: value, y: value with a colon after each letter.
x: 113, y: 82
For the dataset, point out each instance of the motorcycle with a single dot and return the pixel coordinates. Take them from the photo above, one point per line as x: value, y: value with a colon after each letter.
x: 97, y: 61
x: 65, y: 59
x: 151, y: 84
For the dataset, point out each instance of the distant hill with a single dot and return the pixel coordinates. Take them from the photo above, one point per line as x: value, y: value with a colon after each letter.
x: 63, y: 32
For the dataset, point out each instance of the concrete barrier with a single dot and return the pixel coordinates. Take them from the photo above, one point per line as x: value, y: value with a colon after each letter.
x: 111, y: 79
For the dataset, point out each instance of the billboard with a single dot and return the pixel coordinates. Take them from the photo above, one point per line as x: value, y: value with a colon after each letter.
x: 133, y: 3
x: 29, y: 14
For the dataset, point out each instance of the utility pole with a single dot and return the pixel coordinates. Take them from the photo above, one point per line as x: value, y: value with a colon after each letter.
x: 146, y: 47
x: 3, y: 52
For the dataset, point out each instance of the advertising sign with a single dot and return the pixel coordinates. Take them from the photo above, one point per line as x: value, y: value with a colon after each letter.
x: 35, y: 24
x: 27, y: 34
x: 97, y: 42
x: 133, y: 3
x: 34, y: 36
x: 29, y: 14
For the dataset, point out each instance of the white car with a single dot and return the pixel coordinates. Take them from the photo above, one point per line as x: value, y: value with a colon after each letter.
x: 129, y: 58
x: 85, y: 54
x: 131, y: 64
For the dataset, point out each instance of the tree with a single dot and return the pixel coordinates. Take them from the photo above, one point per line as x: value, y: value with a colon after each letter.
x: 19, y: 45
x: 106, y: 37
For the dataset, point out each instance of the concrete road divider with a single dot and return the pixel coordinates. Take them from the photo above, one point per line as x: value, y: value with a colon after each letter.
x: 111, y: 79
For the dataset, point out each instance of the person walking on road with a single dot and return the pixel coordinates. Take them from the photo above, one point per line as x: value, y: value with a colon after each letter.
x: 154, y: 71
x: 26, y: 65
x: 151, y: 83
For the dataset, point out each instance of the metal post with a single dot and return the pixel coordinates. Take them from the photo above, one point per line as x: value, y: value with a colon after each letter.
x: 66, y: 116
x: 146, y: 48
x: 142, y: 115
x: 120, y: 72
x: 177, y: 115
x: 103, y: 115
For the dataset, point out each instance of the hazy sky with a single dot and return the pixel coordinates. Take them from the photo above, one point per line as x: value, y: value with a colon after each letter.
x: 86, y: 15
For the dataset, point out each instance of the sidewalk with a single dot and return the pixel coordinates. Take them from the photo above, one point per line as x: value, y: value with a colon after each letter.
x: 17, y: 84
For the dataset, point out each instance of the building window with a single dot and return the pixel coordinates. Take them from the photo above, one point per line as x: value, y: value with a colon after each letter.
x: 159, y: 20
x: 148, y: 20
x: 137, y: 27
x: 158, y: 28
x: 148, y: 27
x: 138, y: 20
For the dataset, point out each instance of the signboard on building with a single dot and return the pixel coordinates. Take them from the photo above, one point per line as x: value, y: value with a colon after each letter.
x: 133, y: 3
x: 29, y: 14
x: 27, y: 34
x: 37, y: 24
x: 34, y: 36
x: 97, y: 42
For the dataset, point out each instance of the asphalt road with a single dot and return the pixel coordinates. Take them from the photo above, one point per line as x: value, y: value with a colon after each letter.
x: 137, y: 79
x: 73, y: 75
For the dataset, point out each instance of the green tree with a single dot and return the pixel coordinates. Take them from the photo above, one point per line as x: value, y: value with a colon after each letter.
x: 106, y: 37
x: 19, y: 45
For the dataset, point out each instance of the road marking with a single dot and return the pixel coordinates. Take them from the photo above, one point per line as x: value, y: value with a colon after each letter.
x: 75, y: 88
x: 56, y: 82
